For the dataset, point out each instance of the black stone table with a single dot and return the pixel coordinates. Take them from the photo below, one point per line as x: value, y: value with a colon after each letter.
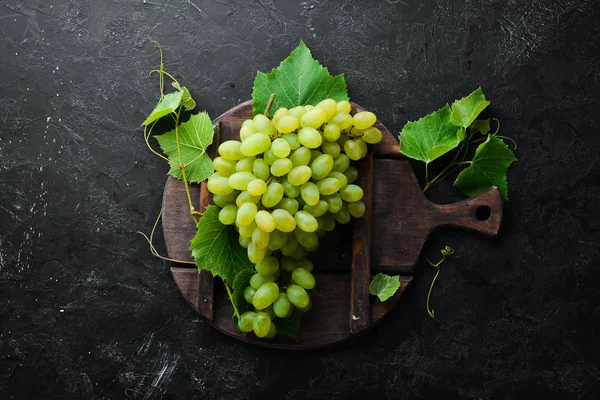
x: 87, y: 313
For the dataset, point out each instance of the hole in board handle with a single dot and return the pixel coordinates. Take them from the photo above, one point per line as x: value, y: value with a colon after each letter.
x: 483, y: 213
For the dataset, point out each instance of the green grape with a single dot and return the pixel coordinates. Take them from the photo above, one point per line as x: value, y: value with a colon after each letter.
x: 351, y: 173
x: 288, y: 124
x: 246, y: 197
x: 240, y: 180
x: 308, y: 240
x: 220, y: 200
x: 246, y: 131
x: 355, y: 132
x: 281, y: 167
x: 339, y: 176
x: 343, y: 216
x: 292, y: 140
x: 230, y: 150
x: 246, y: 322
x: 280, y: 148
x: 328, y: 186
x: 329, y: 106
x: 255, y: 144
x: 290, y: 246
x: 307, y: 308
x: 257, y: 280
x: 247, y: 231
x: 314, y: 154
x: 281, y: 306
x: 269, y: 157
x: 246, y: 214
x: 261, y: 324
x: 342, y: 120
x: 364, y: 119
x: 265, y: 221
x: 299, y: 253
x: 318, y: 209
x: 218, y: 184
x: 372, y: 135
x: 256, y: 187
x: 306, y: 264
x: 303, y: 278
x: 329, y: 221
x: 308, y: 107
x: 284, y: 221
x: 265, y: 295
x: 342, y: 140
x: 249, y: 123
x: 334, y: 202
x: 273, y: 195
x: 343, y: 107
x: 321, y: 166
x: 267, y: 266
x: 280, y: 113
x: 301, y: 156
x: 298, y: 112
x: 298, y: 175
x: 245, y: 164
x: 356, y: 209
x: 255, y: 255
x: 297, y: 296
x: 290, y: 190
x: 331, y: 132
x: 260, y: 169
x: 244, y: 241
x: 231, y: 196
x: 276, y: 240
x: 362, y: 145
x: 272, y: 332
x: 260, y: 238
x: 351, y: 193
x: 249, y: 293
x: 287, y: 264
x: 289, y: 205
x: 228, y: 214
x: 309, y: 137
x: 310, y: 193
x: 352, y: 150
x: 263, y: 124
x: 223, y: 166
x: 331, y: 148
x: 305, y: 221
x: 313, y: 118
x: 341, y: 163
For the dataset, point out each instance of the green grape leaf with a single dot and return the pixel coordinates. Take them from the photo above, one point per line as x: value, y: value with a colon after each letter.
x: 186, y: 100
x: 299, y: 80
x: 289, y: 326
x: 488, y: 168
x: 168, y: 104
x: 195, y: 136
x: 482, y: 125
x: 384, y: 286
x: 431, y: 136
x: 215, y: 248
x: 465, y: 110
x: 241, y: 281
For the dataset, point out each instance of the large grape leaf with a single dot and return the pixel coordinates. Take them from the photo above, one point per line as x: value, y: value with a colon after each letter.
x: 215, y: 248
x: 167, y: 105
x: 431, y: 136
x: 384, y: 286
x: 465, y: 110
x: 289, y: 326
x: 299, y: 80
x: 488, y: 168
x: 195, y: 136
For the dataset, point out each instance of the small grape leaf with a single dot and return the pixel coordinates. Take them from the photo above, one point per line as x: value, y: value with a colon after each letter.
x: 215, y: 248
x: 431, y: 136
x: 488, y: 168
x: 384, y: 286
x: 168, y: 104
x: 299, y: 80
x: 465, y: 110
x: 289, y: 326
x: 195, y: 136
x: 186, y: 100
x: 241, y: 281
x: 482, y: 125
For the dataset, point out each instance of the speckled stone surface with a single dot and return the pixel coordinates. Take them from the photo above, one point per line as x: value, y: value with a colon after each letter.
x: 87, y: 313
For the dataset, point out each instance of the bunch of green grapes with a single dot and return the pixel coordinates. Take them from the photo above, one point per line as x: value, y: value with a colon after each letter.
x: 284, y: 185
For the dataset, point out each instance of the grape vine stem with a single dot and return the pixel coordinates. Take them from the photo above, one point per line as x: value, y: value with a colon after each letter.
x: 446, y: 251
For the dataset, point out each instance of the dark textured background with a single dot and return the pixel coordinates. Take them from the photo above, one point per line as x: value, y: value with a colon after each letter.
x: 86, y: 312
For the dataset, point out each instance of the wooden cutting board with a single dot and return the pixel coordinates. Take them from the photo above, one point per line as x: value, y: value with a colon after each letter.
x: 389, y: 238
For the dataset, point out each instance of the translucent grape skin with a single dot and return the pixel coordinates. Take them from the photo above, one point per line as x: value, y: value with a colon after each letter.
x: 273, y: 195
x: 245, y: 164
x: 301, y: 156
x: 265, y: 221
x: 260, y: 169
x: 282, y: 305
x: 287, y: 124
x: 256, y: 187
x: 351, y: 193
x: 329, y: 186
x: 340, y: 177
x: 341, y: 163
x: 261, y: 324
x: 303, y: 278
x: 240, y: 180
x: 372, y: 135
x: 321, y: 166
x: 284, y: 221
x: 257, y: 280
x: 331, y: 148
x: 306, y: 264
x: 351, y: 173
x: 364, y: 119
x: 246, y: 214
x: 230, y: 150
x: 280, y: 148
x: 331, y: 132
x: 228, y: 214
x: 299, y: 175
x: 309, y: 137
x: 255, y: 144
x: 352, y: 150
x: 305, y: 221
x: 297, y: 296
x: 356, y: 209
x: 223, y: 166
x: 249, y: 293
x: 267, y: 266
x: 289, y: 205
x: 265, y: 295
x: 310, y: 193
x: 260, y: 238
x: 318, y: 209
x: 246, y: 321
x: 281, y: 167
x: 287, y: 264
x: 255, y: 255
x: 277, y: 240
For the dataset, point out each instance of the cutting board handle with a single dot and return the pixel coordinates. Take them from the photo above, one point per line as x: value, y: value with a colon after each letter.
x: 481, y: 213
